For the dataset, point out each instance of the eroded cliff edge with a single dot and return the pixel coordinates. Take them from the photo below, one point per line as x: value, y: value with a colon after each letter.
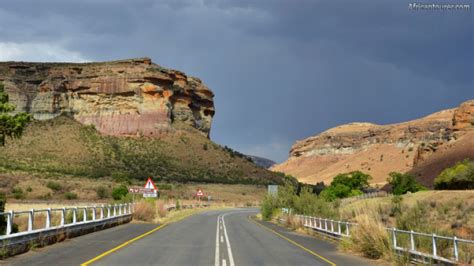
x: 121, y: 98
x: 423, y: 146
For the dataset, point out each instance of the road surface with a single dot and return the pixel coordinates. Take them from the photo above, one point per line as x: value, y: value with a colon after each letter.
x: 218, y: 238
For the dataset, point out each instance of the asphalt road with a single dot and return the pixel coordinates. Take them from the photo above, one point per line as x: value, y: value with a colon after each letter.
x: 219, y: 238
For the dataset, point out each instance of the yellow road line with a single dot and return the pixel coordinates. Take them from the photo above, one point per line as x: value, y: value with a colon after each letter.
x: 129, y: 242
x: 293, y: 242
x: 122, y: 245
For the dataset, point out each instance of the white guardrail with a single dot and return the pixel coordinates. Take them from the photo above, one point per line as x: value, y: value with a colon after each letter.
x: 343, y: 229
x: 68, y: 217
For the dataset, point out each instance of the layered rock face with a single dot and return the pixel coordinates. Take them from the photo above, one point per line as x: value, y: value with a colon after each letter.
x: 377, y: 149
x: 121, y: 98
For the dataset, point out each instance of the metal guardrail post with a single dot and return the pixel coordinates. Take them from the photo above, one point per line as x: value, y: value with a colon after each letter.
x: 84, y: 214
x: 455, y: 244
x: 394, y: 235
x: 115, y: 210
x: 9, y: 223
x: 31, y: 214
x: 102, y: 212
x: 93, y: 213
x: 317, y: 223
x: 63, y: 217
x: 120, y: 209
x: 74, y: 215
x: 108, y: 211
x: 412, y: 241
x: 48, y: 218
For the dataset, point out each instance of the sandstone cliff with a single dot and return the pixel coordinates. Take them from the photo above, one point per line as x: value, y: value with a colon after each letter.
x: 128, y: 97
x: 380, y: 149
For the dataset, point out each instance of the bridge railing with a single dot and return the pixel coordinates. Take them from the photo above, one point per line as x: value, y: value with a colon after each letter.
x: 422, y: 247
x: 55, y: 218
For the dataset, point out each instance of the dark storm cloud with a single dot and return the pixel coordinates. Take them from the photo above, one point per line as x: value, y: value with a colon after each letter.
x: 281, y: 70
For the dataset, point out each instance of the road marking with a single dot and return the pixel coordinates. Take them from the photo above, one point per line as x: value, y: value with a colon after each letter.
x: 293, y: 242
x: 129, y: 242
x: 224, y: 262
x: 122, y: 245
x: 222, y: 239
x: 229, y: 249
x: 216, y: 259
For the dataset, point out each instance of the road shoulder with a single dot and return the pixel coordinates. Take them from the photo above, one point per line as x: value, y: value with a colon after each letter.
x: 326, y: 249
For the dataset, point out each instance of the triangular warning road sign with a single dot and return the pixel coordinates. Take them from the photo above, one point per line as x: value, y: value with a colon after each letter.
x: 149, y: 184
x: 199, y: 193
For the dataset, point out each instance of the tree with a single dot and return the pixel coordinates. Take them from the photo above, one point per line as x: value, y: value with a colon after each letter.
x: 346, y: 185
x: 10, y: 125
x: 403, y: 183
x: 460, y: 176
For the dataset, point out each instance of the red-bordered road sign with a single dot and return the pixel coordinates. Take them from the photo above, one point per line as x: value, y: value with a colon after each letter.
x: 150, y: 185
x: 199, y: 193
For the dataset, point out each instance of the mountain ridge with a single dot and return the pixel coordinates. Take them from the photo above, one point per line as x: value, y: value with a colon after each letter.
x: 379, y: 149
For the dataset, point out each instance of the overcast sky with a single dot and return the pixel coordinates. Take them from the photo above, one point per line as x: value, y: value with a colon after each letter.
x: 281, y: 70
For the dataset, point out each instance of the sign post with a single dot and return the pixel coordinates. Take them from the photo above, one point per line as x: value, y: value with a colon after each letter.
x: 151, y: 191
x: 148, y: 191
x: 199, y: 194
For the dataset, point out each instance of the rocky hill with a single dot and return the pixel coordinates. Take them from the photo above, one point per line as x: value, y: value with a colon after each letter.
x: 121, y: 98
x: 443, y: 137
x: 260, y: 161
x: 113, y: 119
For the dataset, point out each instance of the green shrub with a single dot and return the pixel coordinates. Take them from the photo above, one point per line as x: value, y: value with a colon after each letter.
x: 29, y: 189
x: 403, y: 183
x: 396, y: 205
x: 54, y: 186
x: 269, y: 204
x: 70, y: 195
x: 119, y: 192
x: 304, y: 202
x: 346, y: 185
x: 460, y: 176
x: 102, y: 192
x: 18, y: 193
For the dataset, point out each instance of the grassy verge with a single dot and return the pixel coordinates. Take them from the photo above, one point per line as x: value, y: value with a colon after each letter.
x: 445, y: 213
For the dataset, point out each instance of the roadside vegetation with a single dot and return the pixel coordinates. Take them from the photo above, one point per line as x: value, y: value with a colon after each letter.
x: 460, y: 176
x: 411, y: 207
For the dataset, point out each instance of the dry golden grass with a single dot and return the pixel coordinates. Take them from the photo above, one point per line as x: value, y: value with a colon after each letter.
x: 447, y: 212
x: 161, y: 208
x: 369, y: 238
x: 144, y: 211
x: 228, y: 193
x: 41, y: 196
